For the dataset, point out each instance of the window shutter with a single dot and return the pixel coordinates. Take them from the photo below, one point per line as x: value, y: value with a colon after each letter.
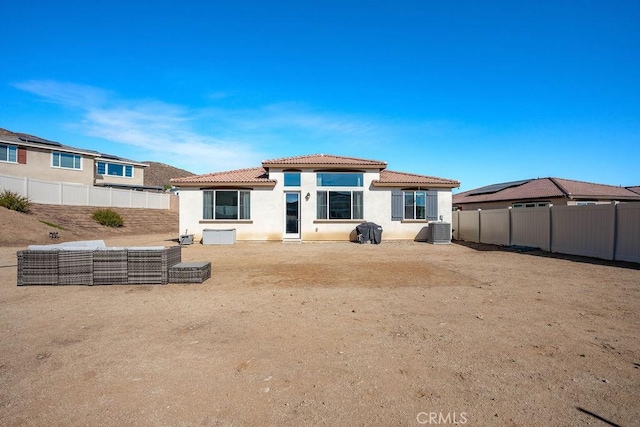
x: 22, y: 155
x: 396, y: 205
x: 432, y: 205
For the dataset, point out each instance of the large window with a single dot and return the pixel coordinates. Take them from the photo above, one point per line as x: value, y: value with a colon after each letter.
x: 8, y: 153
x: 339, y: 179
x: 115, y: 169
x: 66, y: 161
x: 227, y: 204
x: 340, y: 205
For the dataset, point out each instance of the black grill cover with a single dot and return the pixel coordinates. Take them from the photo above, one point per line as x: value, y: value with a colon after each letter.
x: 369, y: 232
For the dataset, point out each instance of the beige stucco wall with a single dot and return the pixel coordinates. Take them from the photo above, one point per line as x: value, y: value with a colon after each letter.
x: 39, y: 167
x: 268, y: 211
x: 136, y: 179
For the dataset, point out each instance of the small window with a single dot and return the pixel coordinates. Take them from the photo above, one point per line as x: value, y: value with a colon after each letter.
x: 8, y: 153
x: 586, y: 203
x: 415, y: 205
x: 227, y: 204
x: 339, y: 179
x: 66, y: 161
x: 292, y: 179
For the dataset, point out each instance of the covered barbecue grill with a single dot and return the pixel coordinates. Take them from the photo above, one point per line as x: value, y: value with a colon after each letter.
x: 369, y: 232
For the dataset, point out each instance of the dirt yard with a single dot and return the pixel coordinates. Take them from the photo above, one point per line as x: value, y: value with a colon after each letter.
x: 401, y: 333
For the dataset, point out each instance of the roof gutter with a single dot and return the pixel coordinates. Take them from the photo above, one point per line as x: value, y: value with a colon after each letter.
x: 414, y: 184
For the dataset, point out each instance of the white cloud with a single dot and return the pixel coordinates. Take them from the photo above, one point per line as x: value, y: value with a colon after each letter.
x: 213, y: 139
x: 164, y: 131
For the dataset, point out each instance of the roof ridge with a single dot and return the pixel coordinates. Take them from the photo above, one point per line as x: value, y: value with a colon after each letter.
x: 305, y: 156
x: 559, y: 186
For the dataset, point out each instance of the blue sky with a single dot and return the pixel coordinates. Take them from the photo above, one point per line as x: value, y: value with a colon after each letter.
x: 477, y: 91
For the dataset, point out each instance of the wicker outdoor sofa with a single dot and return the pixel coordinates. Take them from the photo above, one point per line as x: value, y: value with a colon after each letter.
x: 93, y: 263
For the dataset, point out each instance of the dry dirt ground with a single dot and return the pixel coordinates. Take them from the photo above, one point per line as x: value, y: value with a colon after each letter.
x: 401, y: 333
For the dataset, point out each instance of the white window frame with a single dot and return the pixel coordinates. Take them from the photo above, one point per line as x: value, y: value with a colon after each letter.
x: 327, y: 209
x: 528, y: 205
x: 415, y: 205
x: 240, y: 211
x: 10, y: 149
x: 108, y: 173
x: 58, y: 166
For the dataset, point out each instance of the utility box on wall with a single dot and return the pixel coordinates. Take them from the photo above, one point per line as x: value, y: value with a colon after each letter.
x: 218, y: 237
x: 439, y: 233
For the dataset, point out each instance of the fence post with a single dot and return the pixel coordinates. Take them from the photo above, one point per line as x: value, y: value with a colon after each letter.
x: 550, y: 236
x: 60, y: 194
x: 510, y: 227
x: 26, y: 187
x: 614, y: 229
x: 479, y: 226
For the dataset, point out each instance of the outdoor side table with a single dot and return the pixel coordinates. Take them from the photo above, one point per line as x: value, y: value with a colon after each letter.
x: 190, y: 272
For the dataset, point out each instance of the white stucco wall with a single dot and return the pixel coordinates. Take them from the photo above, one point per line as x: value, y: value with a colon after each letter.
x: 268, y: 212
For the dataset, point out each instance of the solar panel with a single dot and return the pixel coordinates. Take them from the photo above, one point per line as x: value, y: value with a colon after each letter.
x: 109, y: 156
x: 30, y: 138
x: 494, y: 188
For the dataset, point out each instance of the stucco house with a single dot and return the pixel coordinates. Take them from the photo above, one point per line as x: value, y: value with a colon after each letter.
x: 531, y: 193
x: 313, y: 197
x: 24, y: 155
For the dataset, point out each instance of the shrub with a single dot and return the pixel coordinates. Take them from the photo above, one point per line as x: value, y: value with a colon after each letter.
x: 108, y: 217
x: 15, y: 201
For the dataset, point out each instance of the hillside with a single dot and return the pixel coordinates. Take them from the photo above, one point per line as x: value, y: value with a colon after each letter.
x: 160, y: 174
x: 75, y: 223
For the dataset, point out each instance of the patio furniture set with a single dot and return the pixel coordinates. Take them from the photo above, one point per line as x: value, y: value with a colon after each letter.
x: 91, y: 262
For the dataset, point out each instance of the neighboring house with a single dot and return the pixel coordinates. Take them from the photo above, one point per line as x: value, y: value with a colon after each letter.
x: 541, y: 192
x: 24, y: 155
x: 316, y: 197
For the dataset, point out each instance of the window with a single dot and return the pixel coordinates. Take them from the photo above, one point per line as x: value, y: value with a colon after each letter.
x: 227, y: 204
x: 340, y: 205
x: 292, y: 179
x: 114, y: 169
x: 587, y: 203
x: 8, y: 153
x: 339, y: 179
x: 415, y: 205
x: 530, y: 205
x: 66, y: 161
x: 418, y: 205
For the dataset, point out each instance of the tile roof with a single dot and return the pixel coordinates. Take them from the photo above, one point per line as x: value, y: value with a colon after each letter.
x: 323, y: 159
x: 543, y: 188
x: 239, y: 176
x: 393, y: 177
x: 7, y: 135
x: 635, y: 189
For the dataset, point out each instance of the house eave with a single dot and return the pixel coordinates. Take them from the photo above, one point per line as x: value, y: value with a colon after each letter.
x: 413, y: 184
x: 51, y: 148
x: 323, y: 166
x: 227, y: 184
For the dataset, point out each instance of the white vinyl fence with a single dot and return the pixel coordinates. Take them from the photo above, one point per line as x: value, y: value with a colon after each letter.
x: 609, y: 231
x: 64, y: 193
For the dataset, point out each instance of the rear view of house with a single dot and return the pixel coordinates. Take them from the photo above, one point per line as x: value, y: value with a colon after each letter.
x: 314, y: 197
